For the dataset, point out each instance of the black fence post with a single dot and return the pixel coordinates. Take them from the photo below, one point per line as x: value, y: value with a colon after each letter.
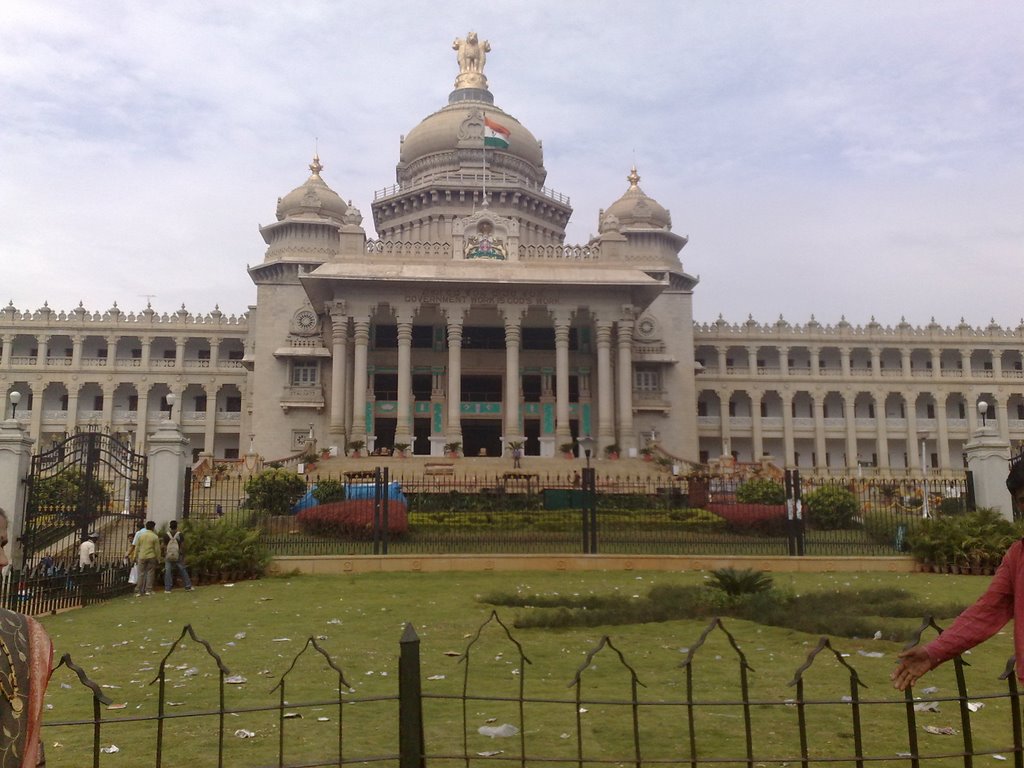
x: 410, y: 702
x: 186, y: 499
x: 385, y: 497
x: 972, y: 503
x: 590, y: 505
x: 794, y: 514
x: 376, y: 510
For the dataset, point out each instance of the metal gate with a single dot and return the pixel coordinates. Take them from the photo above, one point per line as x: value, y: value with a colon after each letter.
x: 89, y: 483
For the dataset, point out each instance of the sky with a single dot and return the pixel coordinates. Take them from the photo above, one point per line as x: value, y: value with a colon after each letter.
x: 837, y: 159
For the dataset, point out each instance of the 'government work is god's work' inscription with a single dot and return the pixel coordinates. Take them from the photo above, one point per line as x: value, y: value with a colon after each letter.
x: 489, y: 297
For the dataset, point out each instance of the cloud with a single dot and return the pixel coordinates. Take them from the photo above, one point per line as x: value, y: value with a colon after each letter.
x: 823, y: 157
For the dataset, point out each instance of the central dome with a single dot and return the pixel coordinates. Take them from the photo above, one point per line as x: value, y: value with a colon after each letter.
x: 457, y: 125
x: 451, y: 140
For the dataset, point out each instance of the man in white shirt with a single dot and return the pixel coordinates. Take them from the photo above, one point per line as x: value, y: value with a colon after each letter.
x: 87, y: 551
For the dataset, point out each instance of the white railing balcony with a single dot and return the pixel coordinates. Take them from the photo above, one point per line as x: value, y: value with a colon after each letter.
x: 128, y: 362
x: 229, y: 417
x: 197, y: 363
x: 58, y: 361
x: 95, y: 362
x: 23, y: 360
x: 193, y: 417
x: 162, y: 362
x: 951, y: 373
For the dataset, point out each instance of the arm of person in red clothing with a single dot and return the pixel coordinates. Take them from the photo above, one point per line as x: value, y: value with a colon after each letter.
x: 979, y: 622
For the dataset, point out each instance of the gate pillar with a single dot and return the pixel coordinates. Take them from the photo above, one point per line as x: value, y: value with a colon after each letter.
x: 168, y: 452
x: 15, y: 460
x: 988, y: 455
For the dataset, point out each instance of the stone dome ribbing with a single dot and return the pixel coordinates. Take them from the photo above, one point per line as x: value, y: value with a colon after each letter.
x: 312, y: 199
x: 635, y: 209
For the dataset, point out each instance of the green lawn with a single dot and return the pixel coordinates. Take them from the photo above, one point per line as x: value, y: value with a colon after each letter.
x: 359, y: 620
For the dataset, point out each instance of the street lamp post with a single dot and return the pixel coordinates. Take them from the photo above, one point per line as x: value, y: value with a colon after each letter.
x: 589, y: 498
x: 925, y: 509
x: 983, y: 409
x: 171, y: 400
x: 15, y: 398
x: 587, y: 444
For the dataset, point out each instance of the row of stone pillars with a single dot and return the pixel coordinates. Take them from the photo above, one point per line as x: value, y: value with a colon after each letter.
x: 168, y: 456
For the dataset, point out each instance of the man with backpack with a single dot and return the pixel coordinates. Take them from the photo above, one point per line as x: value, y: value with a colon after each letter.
x: 174, y: 557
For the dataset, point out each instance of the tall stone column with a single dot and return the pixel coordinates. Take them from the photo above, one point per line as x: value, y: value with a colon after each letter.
x: 211, y: 418
x: 725, y: 420
x: 876, y: 363
x: 42, y: 345
x: 913, y: 446
x: 756, y: 434
x: 905, y: 362
x: 215, y: 353
x: 784, y: 361
x: 361, y: 340
x: 453, y: 430
x: 605, y: 390
x: 815, y: 354
x: 513, y: 318
x: 108, y: 405
x: 142, y: 418
x: 820, y: 446
x: 8, y: 350
x: 627, y: 438
x: 403, y: 428
x: 844, y: 361
x: 112, y: 352
x: 147, y: 351
x: 752, y: 360
x: 339, y: 370
x: 563, y: 431
x: 15, y: 460
x: 179, y: 353
x: 881, y: 430
x: 72, y: 417
x: 788, y: 440
x: 37, y: 389
x: 76, y: 350
x: 943, y: 427
x: 850, y: 414
x: 1002, y: 417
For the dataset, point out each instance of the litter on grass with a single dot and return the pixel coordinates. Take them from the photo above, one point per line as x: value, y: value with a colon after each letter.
x: 504, y: 730
x: 112, y: 749
x: 244, y: 733
x: 940, y: 730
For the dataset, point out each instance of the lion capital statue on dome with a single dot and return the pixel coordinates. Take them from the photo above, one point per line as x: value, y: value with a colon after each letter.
x: 471, y: 55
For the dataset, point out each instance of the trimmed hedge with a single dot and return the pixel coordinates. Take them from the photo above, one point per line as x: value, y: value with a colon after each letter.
x: 352, y: 519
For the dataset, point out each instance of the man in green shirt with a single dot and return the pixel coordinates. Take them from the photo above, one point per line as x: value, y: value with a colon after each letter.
x: 147, y: 552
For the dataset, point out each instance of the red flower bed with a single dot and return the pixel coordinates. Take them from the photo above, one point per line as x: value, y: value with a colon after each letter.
x: 746, y: 514
x: 351, y: 519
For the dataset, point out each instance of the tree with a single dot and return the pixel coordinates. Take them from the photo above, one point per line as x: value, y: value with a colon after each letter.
x: 274, y: 491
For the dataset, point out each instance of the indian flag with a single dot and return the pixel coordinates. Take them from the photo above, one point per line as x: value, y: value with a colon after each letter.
x: 495, y: 134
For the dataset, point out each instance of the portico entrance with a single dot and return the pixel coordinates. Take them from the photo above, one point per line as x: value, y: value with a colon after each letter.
x: 481, y: 437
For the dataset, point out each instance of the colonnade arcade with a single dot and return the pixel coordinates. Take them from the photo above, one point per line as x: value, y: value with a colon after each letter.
x: 429, y: 375
x: 853, y: 427
x: 208, y: 412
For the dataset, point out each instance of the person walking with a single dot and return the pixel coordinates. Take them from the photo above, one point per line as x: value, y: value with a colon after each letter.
x: 174, y: 558
x: 87, y: 551
x: 1002, y: 601
x: 147, y: 552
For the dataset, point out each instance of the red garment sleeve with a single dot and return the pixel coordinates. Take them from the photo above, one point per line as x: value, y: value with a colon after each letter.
x: 988, y: 615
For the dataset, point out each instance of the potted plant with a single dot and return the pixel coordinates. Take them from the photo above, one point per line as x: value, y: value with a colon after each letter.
x: 453, y: 448
x: 612, y: 450
x: 356, y: 447
x: 568, y: 450
x: 400, y: 449
x: 325, y: 454
x: 647, y: 453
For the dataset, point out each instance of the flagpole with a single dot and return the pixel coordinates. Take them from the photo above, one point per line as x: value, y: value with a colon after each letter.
x: 484, y: 204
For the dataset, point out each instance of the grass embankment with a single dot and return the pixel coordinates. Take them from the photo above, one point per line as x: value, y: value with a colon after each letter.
x: 359, y: 620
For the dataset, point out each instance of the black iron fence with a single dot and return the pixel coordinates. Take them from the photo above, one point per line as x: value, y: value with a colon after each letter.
x: 517, y: 512
x: 50, y: 588
x: 483, y: 705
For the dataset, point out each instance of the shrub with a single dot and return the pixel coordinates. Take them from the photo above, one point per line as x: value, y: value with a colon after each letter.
x: 352, y: 519
x: 274, y: 491
x: 760, y: 490
x: 831, y: 508
x: 327, y: 491
x: 219, y: 546
x: 736, y: 582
